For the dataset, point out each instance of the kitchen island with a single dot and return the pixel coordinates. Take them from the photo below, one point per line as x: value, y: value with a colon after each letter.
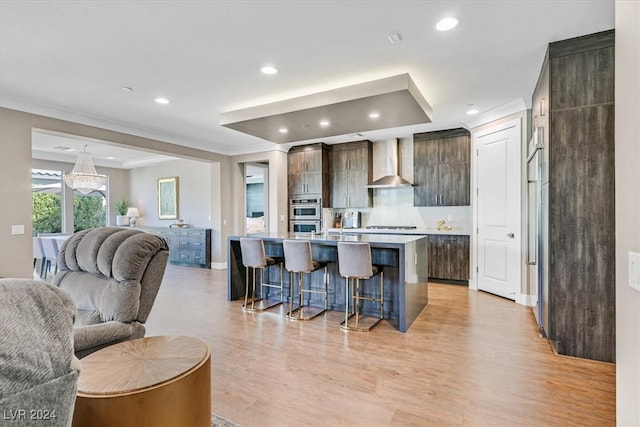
x: 403, y: 258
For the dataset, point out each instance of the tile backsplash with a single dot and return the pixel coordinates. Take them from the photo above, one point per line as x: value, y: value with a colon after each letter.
x: 395, y: 207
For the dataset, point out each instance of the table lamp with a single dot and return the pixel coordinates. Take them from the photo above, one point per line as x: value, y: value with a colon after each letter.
x: 132, y: 213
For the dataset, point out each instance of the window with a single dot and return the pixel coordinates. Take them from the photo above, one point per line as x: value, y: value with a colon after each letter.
x: 46, y: 197
x: 89, y: 210
x: 47, y: 194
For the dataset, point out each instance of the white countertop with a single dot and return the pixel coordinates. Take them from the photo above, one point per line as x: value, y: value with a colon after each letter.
x: 420, y: 231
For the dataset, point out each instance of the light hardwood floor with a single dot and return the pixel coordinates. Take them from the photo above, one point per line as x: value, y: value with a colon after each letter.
x: 470, y: 359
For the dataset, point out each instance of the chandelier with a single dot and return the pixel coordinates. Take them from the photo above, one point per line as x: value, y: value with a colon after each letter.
x: 84, y: 177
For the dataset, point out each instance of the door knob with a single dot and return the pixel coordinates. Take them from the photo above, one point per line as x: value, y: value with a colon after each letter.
x: 511, y: 235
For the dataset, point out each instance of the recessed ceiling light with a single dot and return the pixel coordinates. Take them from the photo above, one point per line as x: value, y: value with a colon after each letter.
x: 161, y: 100
x: 283, y: 130
x: 374, y: 115
x: 269, y: 69
x: 446, y: 24
x: 471, y: 111
x: 110, y: 158
x: 324, y: 123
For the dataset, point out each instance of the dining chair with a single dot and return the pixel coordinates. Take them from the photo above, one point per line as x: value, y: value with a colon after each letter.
x: 50, y: 248
x: 38, y: 256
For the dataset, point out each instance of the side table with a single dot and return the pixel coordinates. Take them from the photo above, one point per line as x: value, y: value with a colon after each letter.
x: 155, y: 381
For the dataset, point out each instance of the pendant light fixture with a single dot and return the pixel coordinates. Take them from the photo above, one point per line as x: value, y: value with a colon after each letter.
x: 84, y: 177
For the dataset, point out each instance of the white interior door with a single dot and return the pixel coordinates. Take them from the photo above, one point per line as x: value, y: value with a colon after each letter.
x: 499, y: 210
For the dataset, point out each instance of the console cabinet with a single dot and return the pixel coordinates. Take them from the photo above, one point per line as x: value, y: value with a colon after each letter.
x: 187, y: 246
x: 448, y: 257
x: 351, y: 171
x: 441, y: 168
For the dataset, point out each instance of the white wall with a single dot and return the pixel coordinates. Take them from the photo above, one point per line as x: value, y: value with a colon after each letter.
x: 627, y: 149
x: 194, y: 192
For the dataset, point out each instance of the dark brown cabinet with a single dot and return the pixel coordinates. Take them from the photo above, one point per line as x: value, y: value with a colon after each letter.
x: 448, y: 257
x: 351, y: 170
x: 573, y: 114
x: 441, y: 168
x: 308, y: 171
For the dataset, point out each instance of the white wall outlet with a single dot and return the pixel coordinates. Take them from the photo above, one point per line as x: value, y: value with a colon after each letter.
x: 17, y: 229
x: 281, y: 218
x: 634, y: 270
x: 224, y: 222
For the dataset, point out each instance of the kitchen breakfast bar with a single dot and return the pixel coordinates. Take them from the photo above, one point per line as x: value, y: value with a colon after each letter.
x: 403, y: 258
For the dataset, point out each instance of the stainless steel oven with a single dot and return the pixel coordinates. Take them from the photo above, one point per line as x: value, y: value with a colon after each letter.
x: 301, y: 226
x: 305, y: 209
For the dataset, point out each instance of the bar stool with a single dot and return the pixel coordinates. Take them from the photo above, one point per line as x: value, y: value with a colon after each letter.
x: 354, y: 262
x: 254, y: 258
x: 298, y: 259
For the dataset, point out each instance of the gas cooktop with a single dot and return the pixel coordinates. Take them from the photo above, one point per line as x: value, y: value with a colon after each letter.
x: 391, y: 227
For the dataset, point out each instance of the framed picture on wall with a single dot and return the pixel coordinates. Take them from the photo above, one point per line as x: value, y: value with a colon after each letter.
x: 168, y: 198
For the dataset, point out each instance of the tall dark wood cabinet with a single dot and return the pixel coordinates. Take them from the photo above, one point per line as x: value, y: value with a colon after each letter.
x: 573, y: 115
x: 351, y: 171
x: 308, y: 172
x: 441, y: 168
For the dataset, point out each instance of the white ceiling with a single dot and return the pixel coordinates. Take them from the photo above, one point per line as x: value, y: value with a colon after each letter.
x: 71, y: 59
x: 65, y: 148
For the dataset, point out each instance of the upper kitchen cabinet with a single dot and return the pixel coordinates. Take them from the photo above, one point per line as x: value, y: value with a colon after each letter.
x: 309, y: 171
x: 441, y: 168
x: 574, y: 110
x: 351, y: 170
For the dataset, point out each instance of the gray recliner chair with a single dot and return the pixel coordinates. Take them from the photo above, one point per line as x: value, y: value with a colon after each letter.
x: 113, y: 275
x: 38, y: 370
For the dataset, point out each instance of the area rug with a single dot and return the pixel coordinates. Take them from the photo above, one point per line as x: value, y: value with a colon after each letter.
x: 218, y: 421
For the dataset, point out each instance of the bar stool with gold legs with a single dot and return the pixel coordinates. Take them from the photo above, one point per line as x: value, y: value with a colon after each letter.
x: 354, y: 264
x: 254, y: 258
x: 298, y: 259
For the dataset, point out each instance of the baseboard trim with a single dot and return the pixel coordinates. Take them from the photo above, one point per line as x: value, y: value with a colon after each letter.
x: 219, y: 265
x: 527, y: 300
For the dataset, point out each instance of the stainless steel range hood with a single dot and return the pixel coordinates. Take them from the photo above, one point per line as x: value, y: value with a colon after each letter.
x: 392, y: 179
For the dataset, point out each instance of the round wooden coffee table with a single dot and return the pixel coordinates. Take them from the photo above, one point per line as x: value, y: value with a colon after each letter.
x: 154, y: 382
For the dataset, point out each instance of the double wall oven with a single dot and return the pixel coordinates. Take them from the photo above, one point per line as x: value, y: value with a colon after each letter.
x: 305, y: 215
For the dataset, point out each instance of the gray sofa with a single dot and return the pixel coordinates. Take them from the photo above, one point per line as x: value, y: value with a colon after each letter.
x: 113, y: 275
x: 38, y: 370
